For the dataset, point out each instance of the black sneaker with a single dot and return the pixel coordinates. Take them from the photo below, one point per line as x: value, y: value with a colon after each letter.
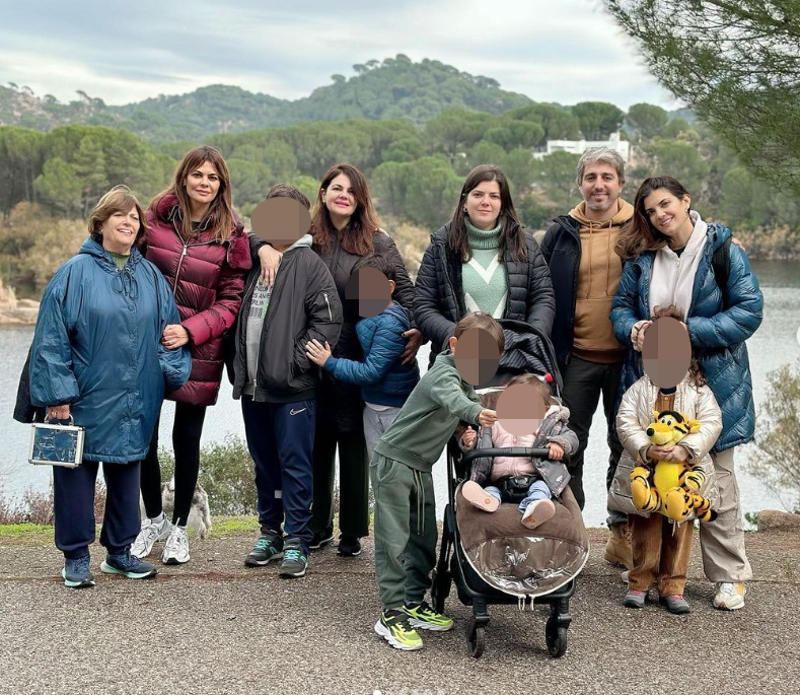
x: 268, y: 547
x: 318, y: 541
x: 349, y: 546
x: 295, y: 560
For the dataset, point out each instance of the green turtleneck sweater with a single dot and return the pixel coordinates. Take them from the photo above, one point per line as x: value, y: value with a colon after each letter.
x: 119, y: 259
x: 483, y: 278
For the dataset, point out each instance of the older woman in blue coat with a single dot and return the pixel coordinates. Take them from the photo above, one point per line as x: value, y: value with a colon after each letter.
x: 97, y: 357
x: 670, y: 255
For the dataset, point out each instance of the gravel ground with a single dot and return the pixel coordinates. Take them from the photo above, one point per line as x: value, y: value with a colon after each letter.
x: 213, y: 626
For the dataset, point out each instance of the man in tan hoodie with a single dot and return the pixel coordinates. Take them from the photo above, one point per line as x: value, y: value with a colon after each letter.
x: 579, y: 248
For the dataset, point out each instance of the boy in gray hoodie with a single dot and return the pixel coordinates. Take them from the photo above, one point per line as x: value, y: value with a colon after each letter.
x: 400, y: 471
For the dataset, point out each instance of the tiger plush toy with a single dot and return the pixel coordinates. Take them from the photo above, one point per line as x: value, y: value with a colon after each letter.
x: 675, y: 483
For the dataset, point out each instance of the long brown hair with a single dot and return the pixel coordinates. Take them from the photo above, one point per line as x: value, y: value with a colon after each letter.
x: 356, y: 237
x: 639, y: 235
x: 512, y: 234
x: 672, y: 312
x: 220, y: 217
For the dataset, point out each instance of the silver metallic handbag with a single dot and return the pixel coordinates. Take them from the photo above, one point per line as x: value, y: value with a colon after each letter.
x: 56, y: 445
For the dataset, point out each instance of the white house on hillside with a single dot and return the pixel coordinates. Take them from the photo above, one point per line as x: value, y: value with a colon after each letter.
x: 580, y: 146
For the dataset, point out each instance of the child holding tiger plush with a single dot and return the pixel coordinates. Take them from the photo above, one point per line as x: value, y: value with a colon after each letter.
x: 672, y: 382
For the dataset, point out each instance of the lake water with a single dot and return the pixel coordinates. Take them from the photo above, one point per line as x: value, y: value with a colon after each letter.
x: 774, y: 344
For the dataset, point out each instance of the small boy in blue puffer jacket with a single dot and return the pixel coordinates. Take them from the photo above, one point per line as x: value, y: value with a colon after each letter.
x: 385, y: 382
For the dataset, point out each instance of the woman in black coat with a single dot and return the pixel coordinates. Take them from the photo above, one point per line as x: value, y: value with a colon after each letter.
x: 346, y: 228
x: 482, y: 260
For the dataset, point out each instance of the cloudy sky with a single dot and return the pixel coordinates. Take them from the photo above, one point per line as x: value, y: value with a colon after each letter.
x: 559, y: 50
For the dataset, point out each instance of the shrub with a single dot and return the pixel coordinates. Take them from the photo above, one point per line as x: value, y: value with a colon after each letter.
x: 777, y: 439
x: 37, y: 507
x: 226, y: 474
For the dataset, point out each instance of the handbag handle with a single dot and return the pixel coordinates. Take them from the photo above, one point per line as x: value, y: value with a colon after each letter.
x: 71, y: 419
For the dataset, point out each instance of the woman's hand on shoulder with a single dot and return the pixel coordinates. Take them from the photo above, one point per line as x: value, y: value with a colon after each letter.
x: 270, y: 260
x: 414, y: 339
x: 637, y: 334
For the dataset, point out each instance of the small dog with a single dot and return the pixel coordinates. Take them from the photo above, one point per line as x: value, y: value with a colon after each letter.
x: 199, y: 514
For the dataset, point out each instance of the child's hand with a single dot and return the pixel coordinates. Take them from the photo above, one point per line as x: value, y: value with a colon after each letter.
x: 469, y: 438
x: 487, y: 417
x: 556, y: 451
x: 677, y: 454
x: 318, y: 353
x: 658, y: 453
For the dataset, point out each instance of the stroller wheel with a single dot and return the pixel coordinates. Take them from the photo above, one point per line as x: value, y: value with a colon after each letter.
x: 556, y: 637
x: 476, y: 638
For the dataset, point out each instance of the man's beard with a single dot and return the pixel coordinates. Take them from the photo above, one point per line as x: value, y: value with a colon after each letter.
x: 602, y: 207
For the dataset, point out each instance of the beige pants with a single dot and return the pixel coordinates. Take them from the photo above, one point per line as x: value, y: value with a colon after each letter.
x: 722, y: 540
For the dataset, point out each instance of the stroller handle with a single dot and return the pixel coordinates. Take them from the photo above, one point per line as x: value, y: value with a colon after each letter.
x: 469, y: 456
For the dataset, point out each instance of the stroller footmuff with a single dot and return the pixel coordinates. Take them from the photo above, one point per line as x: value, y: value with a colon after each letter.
x: 518, y: 560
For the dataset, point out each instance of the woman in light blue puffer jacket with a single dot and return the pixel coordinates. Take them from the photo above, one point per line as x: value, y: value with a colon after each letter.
x: 670, y: 255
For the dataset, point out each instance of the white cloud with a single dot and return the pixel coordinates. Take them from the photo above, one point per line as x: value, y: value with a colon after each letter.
x: 566, y: 52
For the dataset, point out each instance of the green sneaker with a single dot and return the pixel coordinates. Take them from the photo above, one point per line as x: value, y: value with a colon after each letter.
x: 394, y: 628
x: 421, y: 615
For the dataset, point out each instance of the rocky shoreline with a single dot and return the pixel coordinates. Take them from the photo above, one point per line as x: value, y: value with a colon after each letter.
x: 16, y: 312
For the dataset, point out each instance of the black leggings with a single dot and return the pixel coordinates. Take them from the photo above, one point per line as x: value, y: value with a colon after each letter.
x: 186, y: 442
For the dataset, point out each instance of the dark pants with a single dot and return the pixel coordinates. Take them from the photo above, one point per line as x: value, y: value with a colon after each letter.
x: 353, y: 482
x: 186, y: 433
x: 73, y: 501
x: 584, y: 382
x: 280, y: 437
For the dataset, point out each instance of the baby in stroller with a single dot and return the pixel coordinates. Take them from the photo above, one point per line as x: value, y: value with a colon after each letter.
x: 530, y: 482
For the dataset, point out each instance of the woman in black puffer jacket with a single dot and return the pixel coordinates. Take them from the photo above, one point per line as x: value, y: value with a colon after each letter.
x: 482, y: 260
x: 346, y: 228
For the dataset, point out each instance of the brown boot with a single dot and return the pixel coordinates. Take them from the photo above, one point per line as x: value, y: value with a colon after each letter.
x: 618, y: 547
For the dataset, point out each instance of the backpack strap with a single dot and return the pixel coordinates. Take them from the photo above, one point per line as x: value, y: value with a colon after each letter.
x: 721, y: 263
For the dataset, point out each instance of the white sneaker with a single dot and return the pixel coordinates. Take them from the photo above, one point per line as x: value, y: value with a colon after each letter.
x: 176, y: 550
x: 730, y: 596
x: 150, y: 534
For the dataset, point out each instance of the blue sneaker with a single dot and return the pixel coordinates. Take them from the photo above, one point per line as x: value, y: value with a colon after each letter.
x: 76, y: 573
x: 129, y: 566
x: 295, y: 560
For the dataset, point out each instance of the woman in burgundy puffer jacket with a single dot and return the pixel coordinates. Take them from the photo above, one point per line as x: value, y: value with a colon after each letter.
x: 199, y: 244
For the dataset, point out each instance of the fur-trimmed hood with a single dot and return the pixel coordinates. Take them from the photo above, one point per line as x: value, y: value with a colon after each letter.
x: 238, y: 256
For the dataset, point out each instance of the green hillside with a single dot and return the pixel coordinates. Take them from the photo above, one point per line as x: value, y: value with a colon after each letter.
x: 394, y: 88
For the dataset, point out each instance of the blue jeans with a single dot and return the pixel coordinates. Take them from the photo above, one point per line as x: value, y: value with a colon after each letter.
x: 280, y: 437
x: 537, y: 491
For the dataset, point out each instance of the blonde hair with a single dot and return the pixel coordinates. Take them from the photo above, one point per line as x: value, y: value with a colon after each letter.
x: 118, y: 199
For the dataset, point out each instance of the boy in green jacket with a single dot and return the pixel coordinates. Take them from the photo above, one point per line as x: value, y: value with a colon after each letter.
x: 405, y: 506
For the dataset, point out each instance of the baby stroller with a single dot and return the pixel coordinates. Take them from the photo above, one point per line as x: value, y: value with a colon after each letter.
x: 492, y: 558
